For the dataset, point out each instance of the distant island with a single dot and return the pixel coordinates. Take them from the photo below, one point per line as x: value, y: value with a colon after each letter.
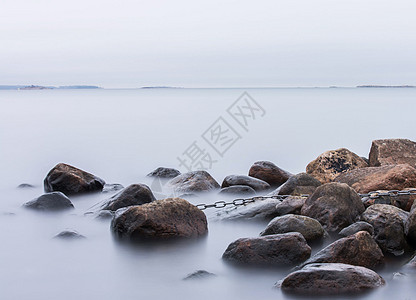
x: 160, y: 87
x: 35, y: 87
x: 385, y: 86
x: 40, y: 87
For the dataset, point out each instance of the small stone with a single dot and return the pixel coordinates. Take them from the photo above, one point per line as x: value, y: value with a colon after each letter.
x: 54, y: 201
x: 269, y: 172
x: 69, y: 235
x: 238, y: 190
x: 199, y: 274
x: 191, y: 182
x: 25, y: 186
x: 256, y: 184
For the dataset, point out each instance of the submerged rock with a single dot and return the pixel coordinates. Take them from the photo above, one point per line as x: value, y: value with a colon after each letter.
x: 256, y: 184
x: 330, y: 164
x: 297, y: 185
x: 269, y: 172
x: 70, y: 180
x: 69, y: 235
x: 50, y: 202
x: 162, y: 172
x: 112, y: 187
x: 392, y: 152
x: 356, y: 227
x: 196, y: 181
x: 199, y: 274
x: 25, y: 186
x: 277, y: 250
x: 238, y: 190
x: 135, y: 194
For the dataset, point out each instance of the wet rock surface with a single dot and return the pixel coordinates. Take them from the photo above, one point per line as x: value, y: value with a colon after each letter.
x: 277, y: 250
x: 70, y: 180
x: 135, y: 194
x: 297, y: 185
x: 196, y: 181
x: 356, y: 227
x: 269, y: 172
x: 256, y: 184
x: 392, y: 152
x: 238, y: 190
x: 54, y: 201
x: 330, y: 164
x: 162, y: 172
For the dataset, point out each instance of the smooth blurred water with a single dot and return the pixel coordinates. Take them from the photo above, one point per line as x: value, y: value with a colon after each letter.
x: 121, y: 135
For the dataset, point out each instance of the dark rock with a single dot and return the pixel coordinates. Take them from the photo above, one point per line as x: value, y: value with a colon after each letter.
x: 392, y: 152
x: 331, y: 279
x: 356, y: 227
x: 388, y: 222
x: 25, y: 186
x: 310, y: 228
x: 105, y: 215
x: 135, y: 194
x: 297, y: 185
x: 264, y: 209
x: 269, y: 172
x: 389, y: 177
x: 238, y: 190
x: 161, y: 219
x: 330, y: 164
x: 256, y: 184
x: 112, y: 187
x: 334, y: 205
x: 278, y: 249
x: 411, y: 264
x: 290, y: 205
x: 410, y: 226
x: 199, y: 274
x: 70, y: 180
x: 51, y: 202
x: 69, y: 235
x: 196, y: 181
x: 164, y: 173
x: 358, y: 249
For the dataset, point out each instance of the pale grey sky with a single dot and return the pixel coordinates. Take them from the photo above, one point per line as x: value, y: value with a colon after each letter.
x: 130, y: 43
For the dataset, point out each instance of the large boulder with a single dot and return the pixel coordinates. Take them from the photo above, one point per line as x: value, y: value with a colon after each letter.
x: 331, y: 279
x: 392, y: 152
x: 330, y: 164
x: 334, y: 205
x: 388, y: 222
x: 388, y: 177
x: 269, y: 172
x: 70, y: 180
x: 135, y: 194
x: 161, y: 219
x: 50, y: 202
x: 297, y: 185
x: 310, y: 228
x: 195, y: 181
x: 358, y: 249
x: 256, y: 184
x: 278, y: 249
x: 162, y: 172
x: 356, y: 227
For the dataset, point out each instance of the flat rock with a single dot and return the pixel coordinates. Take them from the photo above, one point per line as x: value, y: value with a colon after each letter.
x: 261, y: 209
x: 162, y: 172
x: 70, y: 180
x: 238, y: 190
x: 256, y: 184
x: 277, y: 250
x: 331, y: 279
x: 25, y: 186
x: 330, y: 164
x: 392, y: 152
x: 161, y: 219
x: 69, y: 235
x: 54, y: 201
x: 269, y: 172
x: 199, y: 274
x: 196, y: 181
x: 297, y: 185
x: 334, y: 205
x: 388, y: 177
x: 290, y: 205
x: 358, y: 249
x: 356, y: 227
x: 135, y: 194
x: 310, y: 228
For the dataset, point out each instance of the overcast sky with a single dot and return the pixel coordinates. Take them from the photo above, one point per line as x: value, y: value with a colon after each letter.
x: 133, y: 43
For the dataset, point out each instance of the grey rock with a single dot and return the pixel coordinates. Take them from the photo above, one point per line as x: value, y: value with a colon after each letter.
x: 297, y: 185
x: 290, y: 205
x: 191, y: 182
x: 356, y: 227
x: 112, y: 187
x: 256, y: 184
x: 265, y: 209
x: 199, y: 274
x: 135, y: 194
x: 69, y: 235
x: 238, y: 190
x: 54, y: 201
x: 162, y: 172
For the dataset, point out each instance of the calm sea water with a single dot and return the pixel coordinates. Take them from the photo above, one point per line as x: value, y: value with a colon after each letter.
x: 121, y: 135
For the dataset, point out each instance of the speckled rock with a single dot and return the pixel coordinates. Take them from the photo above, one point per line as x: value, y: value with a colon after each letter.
x: 392, y: 152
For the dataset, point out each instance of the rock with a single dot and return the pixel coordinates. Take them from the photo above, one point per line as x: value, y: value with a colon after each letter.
x: 358, y: 249
x: 162, y: 172
x: 410, y: 226
x: 105, y: 215
x: 196, y: 181
x: 290, y: 205
x: 297, y: 185
x: 264, y: 209
x: 69, y: 235
x: 199, y: 274
x: 310, y: 228
x: 330, y: 164
x: 70, y: 180
x: 269, y: 172
x: 161, y: 219
x: 50, y: 202
x: 389, y: 177
x: 334, y: 205
x: 135, y: 194
x: 238, y: 190
x: 388, y: 222
x: 257, y: 184
x: 356, y: 227
x: 112, y: 187
x: 277, y: 250
x: 392, y: 152
x: 411, y: 264
x: 25, y: 186
x: 331, y: 279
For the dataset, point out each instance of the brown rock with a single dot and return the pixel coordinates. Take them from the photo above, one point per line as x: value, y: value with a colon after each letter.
x: 196, y: 181
x: 269, y: 172
x: 290, y: 205
x: 256, y: 184
x: 330, y: 164
x: 392, y: 152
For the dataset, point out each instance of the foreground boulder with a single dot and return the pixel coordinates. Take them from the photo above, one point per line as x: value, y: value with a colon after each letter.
x: 161, y: 219
x: 356, y: 227
x: 392, y: 152
x: 135, y: 194
x: 256, y: 184
x: 358, y: 249
x: 331, y: 279
x: 310, y: 228
x: 388, y: 222
x: 330, y: 164
x: 238, y: 190
x: 334, y: 205
x: 196, y: 181
x: 50, y: 202
x: 70, y: 180
x: 278, y: 249
x: 389, y: 177
x: 162, y: 172
x: 297, y: 185
x: 269, y: 172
